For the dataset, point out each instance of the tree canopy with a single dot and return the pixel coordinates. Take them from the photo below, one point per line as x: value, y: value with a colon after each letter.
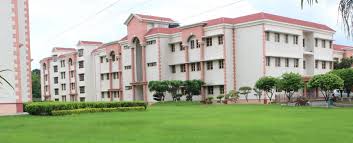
x: 268, y: 85
x: 347, y: 76
x: 290, y: 83
x: 326, y: 83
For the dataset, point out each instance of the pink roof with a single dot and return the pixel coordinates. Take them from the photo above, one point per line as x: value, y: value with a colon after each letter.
x: 219, y: 21
x: 124, y: 38
x: 341, y: 47
x: 262, y: 15
x: 63, y: 49
x: 150, y: 17
x: 89, y: 43
x: 163, y: 30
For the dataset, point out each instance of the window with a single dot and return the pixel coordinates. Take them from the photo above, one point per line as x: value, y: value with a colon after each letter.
x: 192, y: 44
x: 152, y: 64
x: 62, y: 63
x: 221, y: 64
x: 56, y: 80
x: 323, y: 64
x: 72, y: 86
x: 63, y: 87
x: 193, y: 66
x: 172, y: 47
x: 115, y: 94
x: 267, y: 36
x: 70, y: 62
x: 220, y: 40
x: 80, y: 52
x: 316, y: 42
x: 330, y: 44
x: 303, y: 42
x: 182, y: 48
x: 287, y: 62
x: 173, y: 69
x: 80, y: 65
x: 295, y: 39
x: 316, y: 64
x: 128, y: 87
x: 330, y: 65
x: 286, y: 38
x: 296, y: 63
x: 304, y: 65
x: 209, y: 65
x: 277, y: 37
x: 126, y: 47
x: 81, y: 77
x: 102, y: 76
x: 44, y: 67
x: 46, y: 77
x: 209, y: 41
x: 210, y: 90
x: 221, y: 89
x: 55, y: 68
x: 46, y: 88
x: 198, y: 45
x: 278, y: 62
x: 102, y: 59
x: 182, y: 68
x: 82, y: 89
x: 62, y: 75
x: 268, y: 61
x: 151, y: 42
x: 108, y: 76
x: 323, y: 44
x: 71, y: 74
x: 127, y: 67
x: 102, y: 94
x: 63, y: 98
x: 56, y: 91
x: 198, y: 66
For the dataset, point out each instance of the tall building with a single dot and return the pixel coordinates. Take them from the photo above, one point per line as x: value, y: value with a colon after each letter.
x: 15, y: 56
x: 226, y: 53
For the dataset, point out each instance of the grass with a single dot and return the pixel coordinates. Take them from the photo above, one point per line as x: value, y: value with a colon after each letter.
x: 186, y: 123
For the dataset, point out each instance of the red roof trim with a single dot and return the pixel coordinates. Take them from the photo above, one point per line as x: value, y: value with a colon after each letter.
x: 89, y: 43
x: 341, y: 47
x: 150, y: 17
x: 63, y: 49
x: 162, y: 31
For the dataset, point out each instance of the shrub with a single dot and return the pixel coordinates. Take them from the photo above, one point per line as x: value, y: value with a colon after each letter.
x: 301, y: 101
x: 46, y: 108
x: 209, y: 100
x: 94, y: 110
x: 220, y: 97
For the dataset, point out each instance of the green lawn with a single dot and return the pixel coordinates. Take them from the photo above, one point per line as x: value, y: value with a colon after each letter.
x: 187, y: 123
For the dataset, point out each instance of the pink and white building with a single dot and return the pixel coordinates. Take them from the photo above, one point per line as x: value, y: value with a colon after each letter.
x: 226, y: 53
x: 15, y: 56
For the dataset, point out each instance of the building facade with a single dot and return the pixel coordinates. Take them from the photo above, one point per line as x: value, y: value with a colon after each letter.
x: 225, y: 53
x: 15, y: 56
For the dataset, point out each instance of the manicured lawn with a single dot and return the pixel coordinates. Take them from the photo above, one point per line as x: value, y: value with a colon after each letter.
x: 186, y: 124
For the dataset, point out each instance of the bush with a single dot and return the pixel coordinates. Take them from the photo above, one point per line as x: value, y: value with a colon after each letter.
x: 46, y: 108
x: 94, y: 110
x: 301, y: 101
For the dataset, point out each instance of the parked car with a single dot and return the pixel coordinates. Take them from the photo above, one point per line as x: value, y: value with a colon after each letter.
x: 337, y: 93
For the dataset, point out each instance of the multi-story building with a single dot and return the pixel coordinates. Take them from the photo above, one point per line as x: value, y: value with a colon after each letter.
x: 67, y: 75
x: 342, y: 51
x: 226, y: 53
x: 15, y: 56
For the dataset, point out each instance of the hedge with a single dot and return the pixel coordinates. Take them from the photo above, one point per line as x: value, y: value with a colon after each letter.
x: 46, y: 108
x: 93, y: 110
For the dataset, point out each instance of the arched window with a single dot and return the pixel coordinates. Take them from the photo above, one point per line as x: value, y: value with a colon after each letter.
x: 112, y: 55
x: 70, y: 62
x: 44, y: 67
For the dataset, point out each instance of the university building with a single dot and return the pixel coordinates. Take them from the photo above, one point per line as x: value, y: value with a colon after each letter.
x: 15, y: 62
x: 225, y: 53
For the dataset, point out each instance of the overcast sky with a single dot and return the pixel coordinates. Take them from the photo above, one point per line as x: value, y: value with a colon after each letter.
x: 58, y: 23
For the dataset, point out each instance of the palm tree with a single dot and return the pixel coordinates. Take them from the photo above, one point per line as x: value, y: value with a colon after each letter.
x: 345, y: 10
x: 2, y: 79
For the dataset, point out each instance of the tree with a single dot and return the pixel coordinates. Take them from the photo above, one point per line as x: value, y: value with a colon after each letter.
x: 347, y: 76
x: 268, y: 85
x: 2, y: 79
x: 290, y: 83
x: 345, y: 10
x: 159, y: 87
x: 220, y: 97
x: 326, y: 83
x: 173, y: 87
x: 36, y: 92
x: 344, y: 64
x: 245, y: 90
x: 192, y: 87
x: 258, y: 93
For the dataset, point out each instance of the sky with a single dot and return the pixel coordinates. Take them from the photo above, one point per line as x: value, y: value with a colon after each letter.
x: 62, y: 23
